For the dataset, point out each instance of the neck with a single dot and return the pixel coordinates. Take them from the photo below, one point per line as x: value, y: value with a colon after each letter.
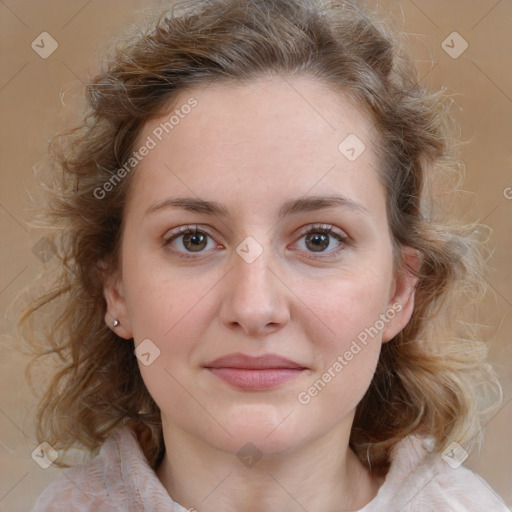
x: 318, y: 477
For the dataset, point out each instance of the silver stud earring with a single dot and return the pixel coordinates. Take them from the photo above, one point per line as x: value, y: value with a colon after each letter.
x: 115, y: 323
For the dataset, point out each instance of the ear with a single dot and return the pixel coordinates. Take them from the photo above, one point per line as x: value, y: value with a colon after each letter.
x: 113, y: 292
x: 401, y: 302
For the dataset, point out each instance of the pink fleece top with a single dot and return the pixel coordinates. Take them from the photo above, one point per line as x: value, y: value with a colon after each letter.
x: 120, y: 479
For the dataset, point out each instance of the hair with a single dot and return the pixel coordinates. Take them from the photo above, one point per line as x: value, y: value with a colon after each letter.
x: 429, y: 377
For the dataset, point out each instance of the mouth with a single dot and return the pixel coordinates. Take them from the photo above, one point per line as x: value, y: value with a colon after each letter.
x: 255, y: 373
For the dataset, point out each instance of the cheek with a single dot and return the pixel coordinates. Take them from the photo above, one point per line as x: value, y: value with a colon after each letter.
x: 172, y: 312
x: 342, y: 308
x: 344, y: 324
x: 162, y: 300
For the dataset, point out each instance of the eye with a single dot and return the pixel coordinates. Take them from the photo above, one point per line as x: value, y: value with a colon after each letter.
x: 189, y: 239
x: 322, y: 239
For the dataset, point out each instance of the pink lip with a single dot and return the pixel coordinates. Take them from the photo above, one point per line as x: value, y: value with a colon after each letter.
x: 264, y: 362
x: 255, y: 373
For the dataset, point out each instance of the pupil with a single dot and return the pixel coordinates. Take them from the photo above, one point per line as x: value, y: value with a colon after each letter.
x: 319, y: 241
x: 197, y: 241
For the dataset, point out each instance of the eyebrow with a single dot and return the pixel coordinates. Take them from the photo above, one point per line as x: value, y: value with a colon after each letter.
x: 300, y: 205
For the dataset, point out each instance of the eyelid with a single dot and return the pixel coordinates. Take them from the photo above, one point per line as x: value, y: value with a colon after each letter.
x: 183, y: 230
x: 327, y: 228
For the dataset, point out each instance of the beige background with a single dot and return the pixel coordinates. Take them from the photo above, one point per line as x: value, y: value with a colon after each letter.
x: 33, y: 108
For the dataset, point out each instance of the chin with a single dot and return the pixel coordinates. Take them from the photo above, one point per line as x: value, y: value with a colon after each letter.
x: 266, y: 428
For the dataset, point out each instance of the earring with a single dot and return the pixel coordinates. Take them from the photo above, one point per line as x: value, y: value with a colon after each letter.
x: 115, y: 323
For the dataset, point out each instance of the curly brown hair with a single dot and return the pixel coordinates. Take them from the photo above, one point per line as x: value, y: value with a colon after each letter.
x: 427, y: 377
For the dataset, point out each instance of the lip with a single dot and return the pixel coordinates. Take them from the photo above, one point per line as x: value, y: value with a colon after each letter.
x: 263, y: 362
x: 255, y: 373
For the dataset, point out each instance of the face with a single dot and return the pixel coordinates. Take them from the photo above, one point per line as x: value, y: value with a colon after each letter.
x: 251, y: 230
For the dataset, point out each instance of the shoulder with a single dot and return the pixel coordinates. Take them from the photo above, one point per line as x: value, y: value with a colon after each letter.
x: 419, y: 481
x: 110, y: 481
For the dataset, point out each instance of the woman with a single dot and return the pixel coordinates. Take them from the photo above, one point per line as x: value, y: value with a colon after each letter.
x: 260, y: 294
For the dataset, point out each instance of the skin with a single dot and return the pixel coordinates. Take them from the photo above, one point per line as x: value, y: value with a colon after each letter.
x: 253, y: 147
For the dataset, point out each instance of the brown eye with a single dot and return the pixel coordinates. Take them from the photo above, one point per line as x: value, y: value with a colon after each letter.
x: 317, y: 242
x: 194, y: 242
x: 324, y: 240
x: 189, y: 239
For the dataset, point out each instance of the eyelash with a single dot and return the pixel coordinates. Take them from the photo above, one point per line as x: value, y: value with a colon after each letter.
x: 316, y: 229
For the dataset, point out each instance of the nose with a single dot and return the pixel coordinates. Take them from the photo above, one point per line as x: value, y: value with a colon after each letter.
x: 255, y: 299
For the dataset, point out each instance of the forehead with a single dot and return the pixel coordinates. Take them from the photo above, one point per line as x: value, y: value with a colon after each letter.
x: 262, y: 136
